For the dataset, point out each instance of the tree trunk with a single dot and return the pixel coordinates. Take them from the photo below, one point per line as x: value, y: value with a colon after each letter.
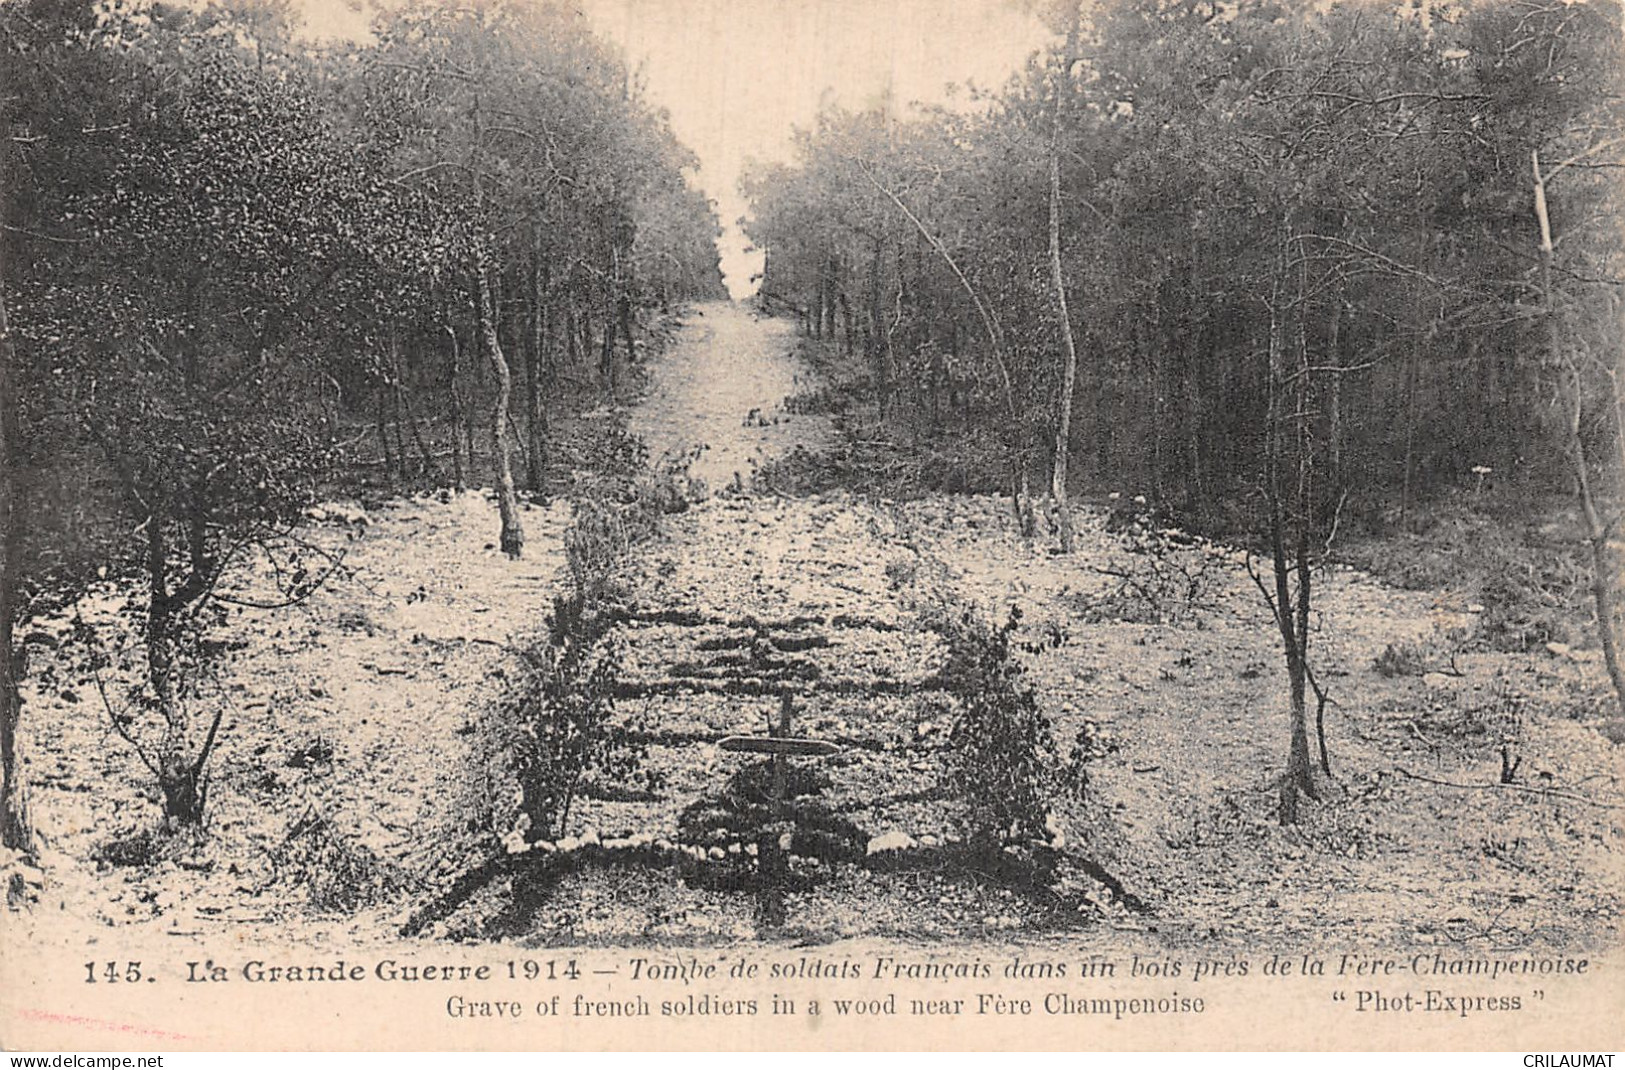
x: 1069, y: 367
x: 179, y: 774
x: 1603, y: 572
x: 1195, y: 408
x: 623, y: 313
x: 459, y: 407
x: 572, y: 333
x: 1159, y: 415
x: 877, y: 316
x: 171, y: 614
x: 831, y: 288
x: 1291, y: 614
x: 889, y: 356
x: 1104, y: 384
x: 396, y: 422
x: 513, y: 533
x: 1411, y: 375
x: 15, y: 831
x: 1602, y: 565
x: 536, y: 405
x: 606, y: 350
x: 1334, y: 403
x: 1195, y: 466
x: 1021, y: 496
x: 381, y: 422
x: 404, y: 400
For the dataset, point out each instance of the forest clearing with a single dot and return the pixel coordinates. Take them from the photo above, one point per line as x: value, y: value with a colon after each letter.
x: 360, y: 772
x: 1164, y: 505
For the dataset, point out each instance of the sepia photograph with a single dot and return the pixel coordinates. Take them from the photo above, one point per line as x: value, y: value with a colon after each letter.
x: 839, y: 524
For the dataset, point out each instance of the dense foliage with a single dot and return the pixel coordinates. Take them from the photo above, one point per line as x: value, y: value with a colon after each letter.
x: 1003, y: 759
x: 1271, y: 266
x: 225, y: 248
x: 1348, y: 182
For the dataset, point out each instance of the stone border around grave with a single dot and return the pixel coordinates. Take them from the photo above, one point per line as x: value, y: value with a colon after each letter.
x: 590, y: 844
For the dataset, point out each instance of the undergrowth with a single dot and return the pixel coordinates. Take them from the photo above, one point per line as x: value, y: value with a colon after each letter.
x: 908, y: 452
x: 568, y: 733
x: 1160, y: 574
x: 1003, y: 760
x: 338, y: 873
x: 1531, y: 579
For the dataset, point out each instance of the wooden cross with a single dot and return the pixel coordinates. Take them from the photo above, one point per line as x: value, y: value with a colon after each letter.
x: 780, y: 745
x: 771, y: 860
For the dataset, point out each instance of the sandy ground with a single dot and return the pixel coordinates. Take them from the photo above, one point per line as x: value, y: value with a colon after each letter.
x: 720, y: 391
x: 350, y: 727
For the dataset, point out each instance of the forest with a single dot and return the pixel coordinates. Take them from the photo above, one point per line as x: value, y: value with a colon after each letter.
x: 1277, y: 272
x: 1158, y: 497
x: 225, y: 248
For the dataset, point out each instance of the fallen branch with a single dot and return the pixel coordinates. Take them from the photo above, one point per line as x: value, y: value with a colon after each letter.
x: 117, y: 721
x: 302, y: 592
x: 1525, y: 788
x: 1419, y: 734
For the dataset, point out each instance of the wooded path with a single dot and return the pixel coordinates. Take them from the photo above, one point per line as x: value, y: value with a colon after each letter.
x: 722, y: 386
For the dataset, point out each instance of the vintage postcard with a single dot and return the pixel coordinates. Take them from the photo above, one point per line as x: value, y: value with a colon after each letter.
x: 812, y: 524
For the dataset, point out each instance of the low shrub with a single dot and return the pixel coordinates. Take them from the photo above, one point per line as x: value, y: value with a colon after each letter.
x: 1531, y: 601
x: 876, y: 459
x: 1003, y: 760
x: 1403, y: 658
x: 621, y: 505
x: 1532, y: 581
x: 338, y: 874
x: 566, y: 733
x: 1161, y: 574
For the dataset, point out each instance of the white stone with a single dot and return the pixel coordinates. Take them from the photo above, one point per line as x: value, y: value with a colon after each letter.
x: 891, y: 841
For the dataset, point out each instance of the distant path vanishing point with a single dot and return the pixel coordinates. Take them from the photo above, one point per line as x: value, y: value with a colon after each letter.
x: 722, y: 386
